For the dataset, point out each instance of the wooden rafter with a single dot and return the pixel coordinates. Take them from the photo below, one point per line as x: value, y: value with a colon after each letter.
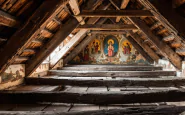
x: 108, y: 27
x: 114, y: 13
x: 174, y: 58
x: 8, y: 20
x: 61, y: 34
x: 140, y: 49
x: 54, y: 42
x: 163, y: 11
x: 77, y: 38
x: 27, y: 33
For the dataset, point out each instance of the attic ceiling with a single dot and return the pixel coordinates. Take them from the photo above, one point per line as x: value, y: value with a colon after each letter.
x: 32, y: 29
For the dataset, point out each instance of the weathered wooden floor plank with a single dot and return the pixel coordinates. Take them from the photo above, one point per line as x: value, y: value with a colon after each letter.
x: 111, y: 73
x: 113, y: 68
x: 164, y: 110
x: 146, y: 82
x: 100, y: 98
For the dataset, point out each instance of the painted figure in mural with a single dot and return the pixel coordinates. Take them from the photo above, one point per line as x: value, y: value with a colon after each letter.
x: 93, y: 48
x: 96, y: 47
x: 110, y: 48
x: 128, y: 49
x: 86, y: 53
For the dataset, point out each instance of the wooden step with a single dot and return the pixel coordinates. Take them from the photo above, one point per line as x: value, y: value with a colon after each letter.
x: 104, y: 65
x: 113, y: 68
x: 146, y: 82
x: 109, y: 97
x: 148, y: 110
x: 68, y: 73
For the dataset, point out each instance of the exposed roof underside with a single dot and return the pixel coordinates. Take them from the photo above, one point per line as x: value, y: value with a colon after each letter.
x: 32, y: 29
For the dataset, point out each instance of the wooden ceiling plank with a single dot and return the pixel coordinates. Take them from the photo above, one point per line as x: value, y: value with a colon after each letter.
x: 108, y: 27
x: 29, y: 31
x: 115, y: 13
x: 8, y: 20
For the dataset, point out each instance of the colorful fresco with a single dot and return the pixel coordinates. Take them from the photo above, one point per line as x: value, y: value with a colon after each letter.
x: 13, y: 73
x: 109, y: 50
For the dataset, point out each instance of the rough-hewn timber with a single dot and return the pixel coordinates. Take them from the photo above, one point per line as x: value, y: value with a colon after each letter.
x: 162, y: 110
x: 111, y: 97
x: 145, y: 82
x: 111, y: 73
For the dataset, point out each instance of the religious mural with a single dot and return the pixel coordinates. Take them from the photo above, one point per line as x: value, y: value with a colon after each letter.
x: 109, y: 50
x: 13, y: 73
x: 111, y: 46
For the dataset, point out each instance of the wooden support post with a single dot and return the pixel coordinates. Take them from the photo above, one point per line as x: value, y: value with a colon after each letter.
x: 115, y: 13
x: 29, y: 31
x: 174, y: 58
x: 144, y: 82
x: 104, y: 98
x: 140, y: 49
x: 65, y: 73
x: 61, y: 34
x: 8, y: 20
x: 108, y: 27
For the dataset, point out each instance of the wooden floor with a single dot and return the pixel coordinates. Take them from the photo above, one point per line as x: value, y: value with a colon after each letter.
x: 56, y: 84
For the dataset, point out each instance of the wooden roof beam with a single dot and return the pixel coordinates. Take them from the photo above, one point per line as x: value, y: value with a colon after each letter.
x: 8, y: 20
x: 29, y: 31
x: 76, y: 10
x: 108, y: 32
x: 115, y: 13
x: 108, y: 27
